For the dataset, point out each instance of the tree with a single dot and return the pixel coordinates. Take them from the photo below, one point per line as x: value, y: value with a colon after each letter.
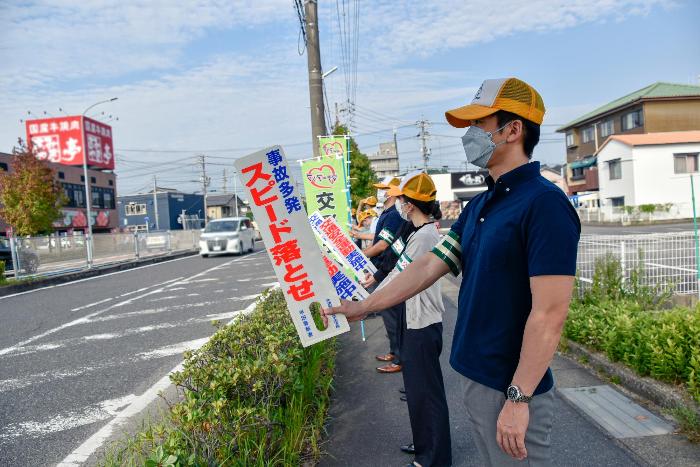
x: 30, y: 196
x: 362, y: 176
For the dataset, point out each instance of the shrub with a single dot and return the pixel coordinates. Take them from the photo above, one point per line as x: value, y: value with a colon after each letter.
x: 623, y: 320
x: 2, y: 273
x: 251, y: 396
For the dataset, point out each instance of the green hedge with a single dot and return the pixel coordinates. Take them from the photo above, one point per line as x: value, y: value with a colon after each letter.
x: 251, y: 396
x: 624, y: 320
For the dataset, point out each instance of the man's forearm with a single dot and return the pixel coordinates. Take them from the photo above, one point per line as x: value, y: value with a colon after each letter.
x: 540, y: 340
x: 363, y: 236
x: 376, y: 249
x: 418, y: 276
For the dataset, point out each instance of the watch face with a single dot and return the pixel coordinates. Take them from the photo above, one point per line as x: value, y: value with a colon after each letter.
x: 513, y: 392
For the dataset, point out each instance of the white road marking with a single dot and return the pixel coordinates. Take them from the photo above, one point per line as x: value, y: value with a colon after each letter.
x: 93, y: 304
x: 209, y: 279
x: 172, y: 349
x: 193, y: 295
x: 84, y: 416
x: 92, y: 278
x: 177, y: 288
x: 270, y: 284
x: 168, y: 297
x: 222, y: 316
x: 246, y: 297
x: 85, y: 450
x: 244, y: 280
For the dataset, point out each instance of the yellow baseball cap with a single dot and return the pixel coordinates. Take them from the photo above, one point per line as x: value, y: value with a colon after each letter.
x: 416, y: 185
x: 509, y: 94
x: 365, y: 214
x: 388, y: 182
x: 370, y: 201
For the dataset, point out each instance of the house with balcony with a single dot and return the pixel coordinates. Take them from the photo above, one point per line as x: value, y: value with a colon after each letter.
x: 659, y: 107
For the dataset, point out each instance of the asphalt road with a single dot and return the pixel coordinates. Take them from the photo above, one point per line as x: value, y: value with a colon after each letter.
x: 74, y: 356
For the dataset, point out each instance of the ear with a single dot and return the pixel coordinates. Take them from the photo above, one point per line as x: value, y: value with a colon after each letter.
x: 514, y: 131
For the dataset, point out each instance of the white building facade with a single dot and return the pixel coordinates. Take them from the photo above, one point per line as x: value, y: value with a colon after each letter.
x: 649, y: 174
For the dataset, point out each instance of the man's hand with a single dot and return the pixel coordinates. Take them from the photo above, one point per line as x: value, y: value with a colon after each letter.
x: 369, y: 281
x: 511, y: 428
x: 353, y: 311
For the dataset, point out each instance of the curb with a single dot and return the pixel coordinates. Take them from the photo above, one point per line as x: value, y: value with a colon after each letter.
x: 662, y: 394
x: 94, y: 272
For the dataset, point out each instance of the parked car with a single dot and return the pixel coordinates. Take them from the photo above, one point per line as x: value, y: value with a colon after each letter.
x: 28, y: 259
x: 228, y: 235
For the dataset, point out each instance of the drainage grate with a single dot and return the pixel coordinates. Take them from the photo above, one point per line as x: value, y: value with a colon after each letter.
x: 616, y: 413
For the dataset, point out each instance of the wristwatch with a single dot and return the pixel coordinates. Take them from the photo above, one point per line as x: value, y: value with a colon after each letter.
x: 514, y: 394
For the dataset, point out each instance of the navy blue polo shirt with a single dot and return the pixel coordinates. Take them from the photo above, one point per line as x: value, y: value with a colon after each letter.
x: 522, y: 226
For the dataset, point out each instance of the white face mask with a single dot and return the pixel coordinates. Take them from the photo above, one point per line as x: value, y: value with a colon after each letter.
x: 400, y: 208
x: 381, y: 197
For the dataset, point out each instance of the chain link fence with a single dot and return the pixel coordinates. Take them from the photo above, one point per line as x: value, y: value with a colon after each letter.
x: 50, y: 255
x: 666, y: 260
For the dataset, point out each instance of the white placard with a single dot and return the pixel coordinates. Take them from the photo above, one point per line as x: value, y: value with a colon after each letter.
x: 290, y: 243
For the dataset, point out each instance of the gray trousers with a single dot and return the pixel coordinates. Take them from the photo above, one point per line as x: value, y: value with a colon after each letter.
x: 483, y: 405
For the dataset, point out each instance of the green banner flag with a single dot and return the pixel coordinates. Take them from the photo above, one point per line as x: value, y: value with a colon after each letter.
x: 326, y: 191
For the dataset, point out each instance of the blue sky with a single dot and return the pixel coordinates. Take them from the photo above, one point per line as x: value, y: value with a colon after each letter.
x: 222, y: 77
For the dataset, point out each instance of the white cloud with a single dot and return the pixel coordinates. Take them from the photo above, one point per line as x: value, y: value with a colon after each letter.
x: 409, y: 27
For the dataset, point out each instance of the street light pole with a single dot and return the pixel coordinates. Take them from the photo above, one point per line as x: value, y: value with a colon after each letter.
x: 88, y: 194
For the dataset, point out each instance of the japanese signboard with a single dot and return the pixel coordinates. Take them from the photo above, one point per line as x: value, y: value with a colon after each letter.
x: 326, y: 191
x: 330, y: 233
x: 333, y: 147
x: 345, y: 286
x: 290, y: 243
x: 66, y: 140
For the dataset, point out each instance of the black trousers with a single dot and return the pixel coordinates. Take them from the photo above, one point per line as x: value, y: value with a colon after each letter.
x: 425, y: 394
x: 395, y: 322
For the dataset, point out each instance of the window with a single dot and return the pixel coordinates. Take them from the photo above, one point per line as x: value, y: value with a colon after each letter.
x: 615, y: 169
x: 570, y: 139
x: 96, y: 199
x: 577, y: 174
x: 587, y: 134
x: 108, y: 199
x: 61, y: 175
x: 79, y: 196
x: 685, y: 163
x: 607, y: 128
x: 133, y: 209
x: 93, y: 180
x: 632, y: 120
x: 4, y: 167
x: 617, y: 202
x: 82, y: 178
x: 111, y: 182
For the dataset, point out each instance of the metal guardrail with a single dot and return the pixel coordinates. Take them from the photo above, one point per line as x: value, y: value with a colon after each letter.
x: 52, y: 255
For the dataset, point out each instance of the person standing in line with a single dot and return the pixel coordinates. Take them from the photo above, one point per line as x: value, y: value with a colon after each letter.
x: 388, y: 227
x: 421, y: 342
x: 515, y: 245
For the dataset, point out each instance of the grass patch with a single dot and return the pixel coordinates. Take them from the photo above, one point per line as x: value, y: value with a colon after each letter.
x: 689, y: 422
x: 251, y: 396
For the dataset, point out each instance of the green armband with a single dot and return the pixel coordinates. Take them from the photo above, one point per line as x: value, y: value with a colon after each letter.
x: 450, y: 251
x: 387, y: 236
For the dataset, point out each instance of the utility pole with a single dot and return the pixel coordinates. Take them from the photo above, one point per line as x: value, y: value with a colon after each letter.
x: 396, y: 151
x: 318, y: 123
x: 155, y: 201
x: 205, y: 183
x: 235, y: 190
x: 225, y: 181
x: 425, y: 152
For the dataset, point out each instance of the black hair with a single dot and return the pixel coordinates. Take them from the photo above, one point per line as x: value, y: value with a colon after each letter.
x: 531, y: 130
x: 429, y: 208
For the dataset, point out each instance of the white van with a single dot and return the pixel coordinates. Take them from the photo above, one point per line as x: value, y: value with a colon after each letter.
x: 227, y: 235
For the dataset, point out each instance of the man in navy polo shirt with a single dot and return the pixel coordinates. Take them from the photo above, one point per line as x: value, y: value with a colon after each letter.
x: 515, y: 245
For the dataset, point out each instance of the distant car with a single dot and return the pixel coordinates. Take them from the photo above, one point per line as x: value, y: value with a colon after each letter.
x: 156, y: 241
x: 228, y: 235
x: 28, y: 259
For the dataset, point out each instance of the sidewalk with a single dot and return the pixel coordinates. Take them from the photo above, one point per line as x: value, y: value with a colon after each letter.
x: 368, y: 422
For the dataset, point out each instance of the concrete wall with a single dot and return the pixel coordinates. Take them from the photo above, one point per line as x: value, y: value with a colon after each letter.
x: 624, y: 186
